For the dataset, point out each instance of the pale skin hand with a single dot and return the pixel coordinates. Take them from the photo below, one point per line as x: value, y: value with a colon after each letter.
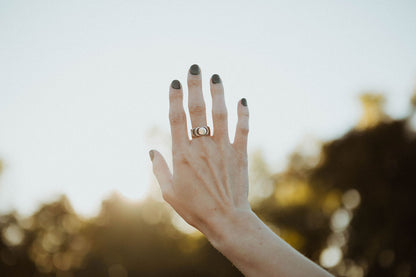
x: 209, y: 185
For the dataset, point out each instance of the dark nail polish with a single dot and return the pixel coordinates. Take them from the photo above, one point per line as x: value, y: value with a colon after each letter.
x: 176, y: 84
x: 216, y: 79
x: 195, y: 70
x: 244, y: 102
x: 151, y: 154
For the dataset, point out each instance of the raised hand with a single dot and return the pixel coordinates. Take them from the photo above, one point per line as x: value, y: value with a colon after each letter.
x: 209, y: 184
x: 210, y: 176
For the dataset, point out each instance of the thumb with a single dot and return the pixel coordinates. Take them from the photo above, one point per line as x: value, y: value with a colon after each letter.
x: 161, y: 170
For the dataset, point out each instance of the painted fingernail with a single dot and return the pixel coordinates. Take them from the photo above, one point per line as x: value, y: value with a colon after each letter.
x: 244, y: 102
x: 195, y: 69
x: 176, y: 84
x: 151, y: 154
x: 216, y: 79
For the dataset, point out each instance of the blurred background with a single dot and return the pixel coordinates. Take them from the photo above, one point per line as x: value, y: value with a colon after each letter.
x: 331, y: 87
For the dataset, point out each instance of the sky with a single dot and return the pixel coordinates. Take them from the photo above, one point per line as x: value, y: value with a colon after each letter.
x: 84, y: 84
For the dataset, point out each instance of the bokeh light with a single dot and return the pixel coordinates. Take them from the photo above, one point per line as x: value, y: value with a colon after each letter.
x: 351, y: 199
x: 340, y: 220
x: 330, y: 256
x: 13, y: 235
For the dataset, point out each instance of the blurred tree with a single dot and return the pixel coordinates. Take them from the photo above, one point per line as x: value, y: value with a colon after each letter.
x: 379, y: 163
x: 140, y: 239
x: 126, y: 239
x: 372, y: 111
x: 353, y: 211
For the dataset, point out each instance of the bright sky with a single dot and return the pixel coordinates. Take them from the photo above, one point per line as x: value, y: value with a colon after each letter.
x: 83, y: 83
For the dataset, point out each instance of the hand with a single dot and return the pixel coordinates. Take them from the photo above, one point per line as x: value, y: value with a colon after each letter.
x: 210, y: 175
x: 209, y: 185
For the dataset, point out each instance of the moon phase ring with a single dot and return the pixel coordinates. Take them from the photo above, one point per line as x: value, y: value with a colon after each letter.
x: 200, y: 131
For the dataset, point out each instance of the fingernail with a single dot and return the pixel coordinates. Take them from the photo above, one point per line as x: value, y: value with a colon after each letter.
x: 195, y: 69
x: 176, y: 84
x: 244, y: 102
x: 151, y: 154
x: 216, y: 79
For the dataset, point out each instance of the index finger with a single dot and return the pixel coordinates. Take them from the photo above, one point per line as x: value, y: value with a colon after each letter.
x: 177, y: 116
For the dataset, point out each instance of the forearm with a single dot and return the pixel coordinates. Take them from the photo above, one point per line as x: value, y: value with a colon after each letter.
x: 255, y: 250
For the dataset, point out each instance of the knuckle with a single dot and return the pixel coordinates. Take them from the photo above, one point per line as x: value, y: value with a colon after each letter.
x: 197, y: 108
x: 194, y: 82
x: 177, y: 117
x: 244, y: 130
x: 220, y: 115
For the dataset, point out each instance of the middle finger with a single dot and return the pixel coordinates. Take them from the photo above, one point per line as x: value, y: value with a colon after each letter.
x: 196, y: 103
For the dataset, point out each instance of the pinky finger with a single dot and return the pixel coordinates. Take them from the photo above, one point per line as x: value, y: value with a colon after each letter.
x: 241, y: 133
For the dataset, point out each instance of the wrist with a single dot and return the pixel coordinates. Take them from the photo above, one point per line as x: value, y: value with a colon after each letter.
x: 254, y: 249
x: 224, y: 230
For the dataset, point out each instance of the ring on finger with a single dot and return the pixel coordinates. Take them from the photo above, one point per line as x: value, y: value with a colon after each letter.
x: 200, y: 131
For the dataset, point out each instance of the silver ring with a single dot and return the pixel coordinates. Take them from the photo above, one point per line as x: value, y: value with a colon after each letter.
x: 200, y: 131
